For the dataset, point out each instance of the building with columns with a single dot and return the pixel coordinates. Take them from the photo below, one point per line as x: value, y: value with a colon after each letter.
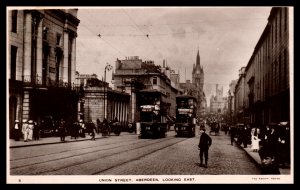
x: 42, y: 64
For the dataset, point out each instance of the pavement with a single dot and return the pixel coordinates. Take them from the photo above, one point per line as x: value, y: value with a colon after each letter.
x: 256, y: 158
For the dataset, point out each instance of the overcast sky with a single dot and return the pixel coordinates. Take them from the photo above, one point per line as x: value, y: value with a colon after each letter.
x: 226, y: 38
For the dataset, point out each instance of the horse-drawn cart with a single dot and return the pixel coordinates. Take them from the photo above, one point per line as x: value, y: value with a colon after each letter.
x: 214, y: 128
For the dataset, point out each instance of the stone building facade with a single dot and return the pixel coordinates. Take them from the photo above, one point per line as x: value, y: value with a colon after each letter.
x: 267, y: 74
x: 115, y: 105
x: 132, y: 75
x: 240, y: 98
x: 42, y: 63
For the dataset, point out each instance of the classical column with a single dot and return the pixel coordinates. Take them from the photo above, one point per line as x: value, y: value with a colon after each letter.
x: 115, y: 109
x: 126, y: 112
x: 73, y: 60
x: 27, y: 46
x: 39, y: 55
x: 123, y: 110
x: 66, y: 54
x: 133, y: 105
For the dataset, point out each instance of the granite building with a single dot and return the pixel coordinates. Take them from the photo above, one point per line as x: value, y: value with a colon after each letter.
x: 267, y: 74
x: 42, y: 64
x: 133, y: 75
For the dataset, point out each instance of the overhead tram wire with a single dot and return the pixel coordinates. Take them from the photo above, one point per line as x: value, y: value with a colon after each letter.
x: 146, y: 35
x: 174, y: 33
x: 103, y: 40
x: 183, y: 23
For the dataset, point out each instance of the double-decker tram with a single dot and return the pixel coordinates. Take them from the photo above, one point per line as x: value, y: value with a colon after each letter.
x: 153, y: 111
x: 186, y: 110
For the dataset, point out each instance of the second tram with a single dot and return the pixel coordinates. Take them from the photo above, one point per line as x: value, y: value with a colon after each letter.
x: 186, y: 109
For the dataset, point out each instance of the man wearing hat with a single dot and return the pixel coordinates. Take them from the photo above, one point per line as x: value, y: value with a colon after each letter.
x: 17, y: 130
x: 82, y: 128
x: 204, y: 144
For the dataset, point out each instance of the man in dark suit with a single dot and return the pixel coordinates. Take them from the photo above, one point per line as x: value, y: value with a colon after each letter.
x: 204, y: 144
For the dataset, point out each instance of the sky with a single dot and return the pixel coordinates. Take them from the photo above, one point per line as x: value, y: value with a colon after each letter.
x: 224, y: 36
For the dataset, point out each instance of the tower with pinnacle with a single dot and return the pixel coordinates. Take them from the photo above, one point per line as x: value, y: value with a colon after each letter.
x: 198, y: 74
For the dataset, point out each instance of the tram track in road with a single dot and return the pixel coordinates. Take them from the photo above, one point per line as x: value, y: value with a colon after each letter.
x: 92, y: 151
x: 68, y: 150
x: 41, y: 168
x: 137, y: 158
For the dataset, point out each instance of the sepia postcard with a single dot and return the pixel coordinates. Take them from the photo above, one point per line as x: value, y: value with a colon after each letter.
x: 150, y: 95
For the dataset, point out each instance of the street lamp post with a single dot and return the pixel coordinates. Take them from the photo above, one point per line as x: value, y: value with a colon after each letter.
x: 108, y: 67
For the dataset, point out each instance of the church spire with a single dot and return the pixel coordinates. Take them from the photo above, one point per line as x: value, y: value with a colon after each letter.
x: 198, y: 58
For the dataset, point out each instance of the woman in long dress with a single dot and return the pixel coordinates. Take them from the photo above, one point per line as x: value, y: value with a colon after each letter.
x: 254, y: 140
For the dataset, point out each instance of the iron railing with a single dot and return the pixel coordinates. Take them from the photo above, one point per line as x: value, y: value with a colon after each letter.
x: 40, y: 82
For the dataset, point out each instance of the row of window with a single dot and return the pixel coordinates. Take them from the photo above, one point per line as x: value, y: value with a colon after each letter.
x: 271, y: 69
x: 14, y: 23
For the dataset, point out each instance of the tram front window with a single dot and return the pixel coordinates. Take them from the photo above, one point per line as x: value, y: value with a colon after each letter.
x: 149, y: 117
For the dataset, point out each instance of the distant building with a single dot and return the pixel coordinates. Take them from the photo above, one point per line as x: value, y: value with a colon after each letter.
x: 198, y: 74
x: 81, y: 79
x: 231, y: 100
x: 240, y: 103
x: 132, y: 75
x: 175, y: 78
x: 196, y: 87
x: 218, y: 103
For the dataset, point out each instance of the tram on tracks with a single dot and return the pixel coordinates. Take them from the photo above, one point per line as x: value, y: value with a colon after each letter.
x: 153, y: 114
x: 186, y: 110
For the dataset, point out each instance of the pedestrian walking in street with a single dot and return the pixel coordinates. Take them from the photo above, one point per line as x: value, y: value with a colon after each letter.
x: 24, y: 129
x: 232, y: 134
x: 17, y: 130
x: 62, y: 130
x: 204, y: 144
x: 92, y: 130
x: 74, y: 130
x: 254, y: 140
x: 266, y: 133
x: 245, y: 136
x: 284, y: 144
x: 105, y: 128
x: 36, y: 131
x: 82, y: 128
x: 273, y: 143
x: 98, y: 125
x: 30, y: 128
x: 226, y: 129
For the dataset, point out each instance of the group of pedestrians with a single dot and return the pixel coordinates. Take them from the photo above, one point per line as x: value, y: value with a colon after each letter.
x: 28, y: 130
x: 275, y: 147
x: 271, y: 142
x: 79, y: 129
